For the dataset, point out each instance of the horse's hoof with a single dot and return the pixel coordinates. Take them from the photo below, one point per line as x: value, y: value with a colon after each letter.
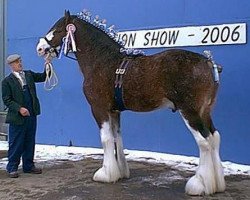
x: 195, y: 186
x: 126, y: 174
x: 102, y: 175
x: 124, y: 170
x: 221, y: 185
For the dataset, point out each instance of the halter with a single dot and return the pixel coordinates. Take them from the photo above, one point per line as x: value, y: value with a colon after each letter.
x: 52, y: 49
x: 69, y: 40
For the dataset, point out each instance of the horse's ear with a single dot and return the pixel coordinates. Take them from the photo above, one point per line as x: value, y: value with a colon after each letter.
x: 67, y: 15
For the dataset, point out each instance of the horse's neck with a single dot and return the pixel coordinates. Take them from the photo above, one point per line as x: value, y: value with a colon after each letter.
x: 96, y: 51
x: 90, y: 62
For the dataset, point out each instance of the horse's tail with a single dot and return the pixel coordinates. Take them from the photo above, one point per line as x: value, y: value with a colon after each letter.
x: 213, y: 65
x: 209, y: 56
x: 217, y: 69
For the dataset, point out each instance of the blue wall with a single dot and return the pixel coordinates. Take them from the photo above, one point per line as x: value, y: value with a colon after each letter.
x: 65, y: 113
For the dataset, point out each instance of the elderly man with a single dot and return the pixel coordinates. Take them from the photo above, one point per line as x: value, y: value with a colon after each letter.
x: 19, y: 95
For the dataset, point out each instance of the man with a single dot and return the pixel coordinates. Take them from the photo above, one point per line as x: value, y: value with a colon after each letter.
x: 19, y: 95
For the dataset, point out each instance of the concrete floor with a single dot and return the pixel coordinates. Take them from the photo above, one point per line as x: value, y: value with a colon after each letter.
x: 68, y: 180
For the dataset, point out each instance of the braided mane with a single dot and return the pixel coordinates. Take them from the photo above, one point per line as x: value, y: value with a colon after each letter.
x: 109, y: 31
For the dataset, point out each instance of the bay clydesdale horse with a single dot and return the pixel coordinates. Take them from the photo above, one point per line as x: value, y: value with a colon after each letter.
x: 181, y: 80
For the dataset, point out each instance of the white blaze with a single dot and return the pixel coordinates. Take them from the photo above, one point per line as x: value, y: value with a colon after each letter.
x: 50, y: 35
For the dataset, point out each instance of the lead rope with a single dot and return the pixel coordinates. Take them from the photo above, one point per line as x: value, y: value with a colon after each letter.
x: 51, y: 79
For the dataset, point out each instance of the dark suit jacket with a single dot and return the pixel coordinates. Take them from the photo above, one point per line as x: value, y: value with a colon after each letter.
x: 13, y: 97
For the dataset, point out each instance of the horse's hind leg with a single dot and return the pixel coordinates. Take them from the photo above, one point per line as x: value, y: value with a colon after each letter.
x: 109, y: 172
x: 214, y: 140
x: 203, y: 182
x: 122, y: 163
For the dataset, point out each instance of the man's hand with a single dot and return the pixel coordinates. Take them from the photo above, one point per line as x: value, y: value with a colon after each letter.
x: 24, y: 112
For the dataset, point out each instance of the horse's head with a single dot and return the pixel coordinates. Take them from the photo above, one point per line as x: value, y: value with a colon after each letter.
x: 50, y: 45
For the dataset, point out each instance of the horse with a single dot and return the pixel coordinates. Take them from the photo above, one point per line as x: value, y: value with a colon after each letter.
x: 180, y: 80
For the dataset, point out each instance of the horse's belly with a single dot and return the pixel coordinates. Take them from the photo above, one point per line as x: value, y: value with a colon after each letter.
x: 146, y: 104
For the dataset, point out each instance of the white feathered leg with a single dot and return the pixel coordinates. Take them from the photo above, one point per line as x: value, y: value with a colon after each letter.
x: 203, y: 182
x: 218, y: 169
x: 109, y: 172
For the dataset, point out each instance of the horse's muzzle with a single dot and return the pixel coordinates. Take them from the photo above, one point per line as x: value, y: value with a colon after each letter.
x: 42, y: 51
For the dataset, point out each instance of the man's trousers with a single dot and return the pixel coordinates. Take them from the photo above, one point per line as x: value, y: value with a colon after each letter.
x: 22, y: 144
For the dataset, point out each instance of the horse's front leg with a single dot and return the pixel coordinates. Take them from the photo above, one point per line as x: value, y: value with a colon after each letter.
x: 109, y: 172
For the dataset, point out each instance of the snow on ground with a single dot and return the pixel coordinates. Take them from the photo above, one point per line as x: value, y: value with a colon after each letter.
x: 54, y: 154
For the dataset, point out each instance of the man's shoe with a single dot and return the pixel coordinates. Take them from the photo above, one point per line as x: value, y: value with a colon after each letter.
x: 34, y: 170
x: 13, y: 174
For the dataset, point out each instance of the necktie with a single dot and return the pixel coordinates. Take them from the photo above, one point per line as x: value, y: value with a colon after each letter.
x: 22, y: 75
